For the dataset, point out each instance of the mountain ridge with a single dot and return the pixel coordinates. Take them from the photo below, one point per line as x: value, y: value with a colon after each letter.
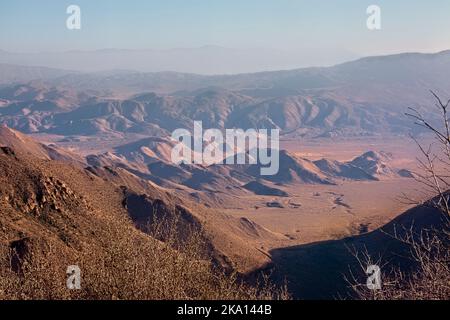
x: 363, y: 97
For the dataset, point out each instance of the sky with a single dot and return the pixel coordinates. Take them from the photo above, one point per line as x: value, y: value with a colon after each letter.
x: 336, y: 27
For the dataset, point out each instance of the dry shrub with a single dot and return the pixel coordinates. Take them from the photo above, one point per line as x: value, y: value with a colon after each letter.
x: 39, y: 277
x: 125, y: 264
x: 427, y: 249
x: 428, y: 277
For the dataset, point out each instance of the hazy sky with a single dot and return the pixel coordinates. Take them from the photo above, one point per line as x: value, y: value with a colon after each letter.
x: 291, y: 25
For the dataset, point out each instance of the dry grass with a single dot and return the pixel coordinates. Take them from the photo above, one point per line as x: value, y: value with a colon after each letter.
x: 129, y: 265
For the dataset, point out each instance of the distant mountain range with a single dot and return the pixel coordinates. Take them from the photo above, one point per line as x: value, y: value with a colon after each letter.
x: 364, y: 97
x: 203, y: 60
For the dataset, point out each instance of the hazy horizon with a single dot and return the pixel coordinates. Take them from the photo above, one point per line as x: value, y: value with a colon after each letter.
x: 206, y: 60
x: 215, y: 37
x: 116, y: 59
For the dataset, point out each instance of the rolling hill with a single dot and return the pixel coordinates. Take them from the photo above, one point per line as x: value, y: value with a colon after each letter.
x: 150, y: 158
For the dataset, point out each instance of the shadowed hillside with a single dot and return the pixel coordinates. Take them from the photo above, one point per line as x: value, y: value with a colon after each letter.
x: 318, y: 270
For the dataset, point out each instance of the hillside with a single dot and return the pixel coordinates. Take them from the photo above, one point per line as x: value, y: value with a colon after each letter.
x: 55, y: 214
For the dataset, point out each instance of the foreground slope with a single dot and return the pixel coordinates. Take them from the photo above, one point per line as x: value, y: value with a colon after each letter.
x: 55, y: 213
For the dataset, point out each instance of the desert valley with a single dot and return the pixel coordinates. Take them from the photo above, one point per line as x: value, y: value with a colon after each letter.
x: 87, y: 156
